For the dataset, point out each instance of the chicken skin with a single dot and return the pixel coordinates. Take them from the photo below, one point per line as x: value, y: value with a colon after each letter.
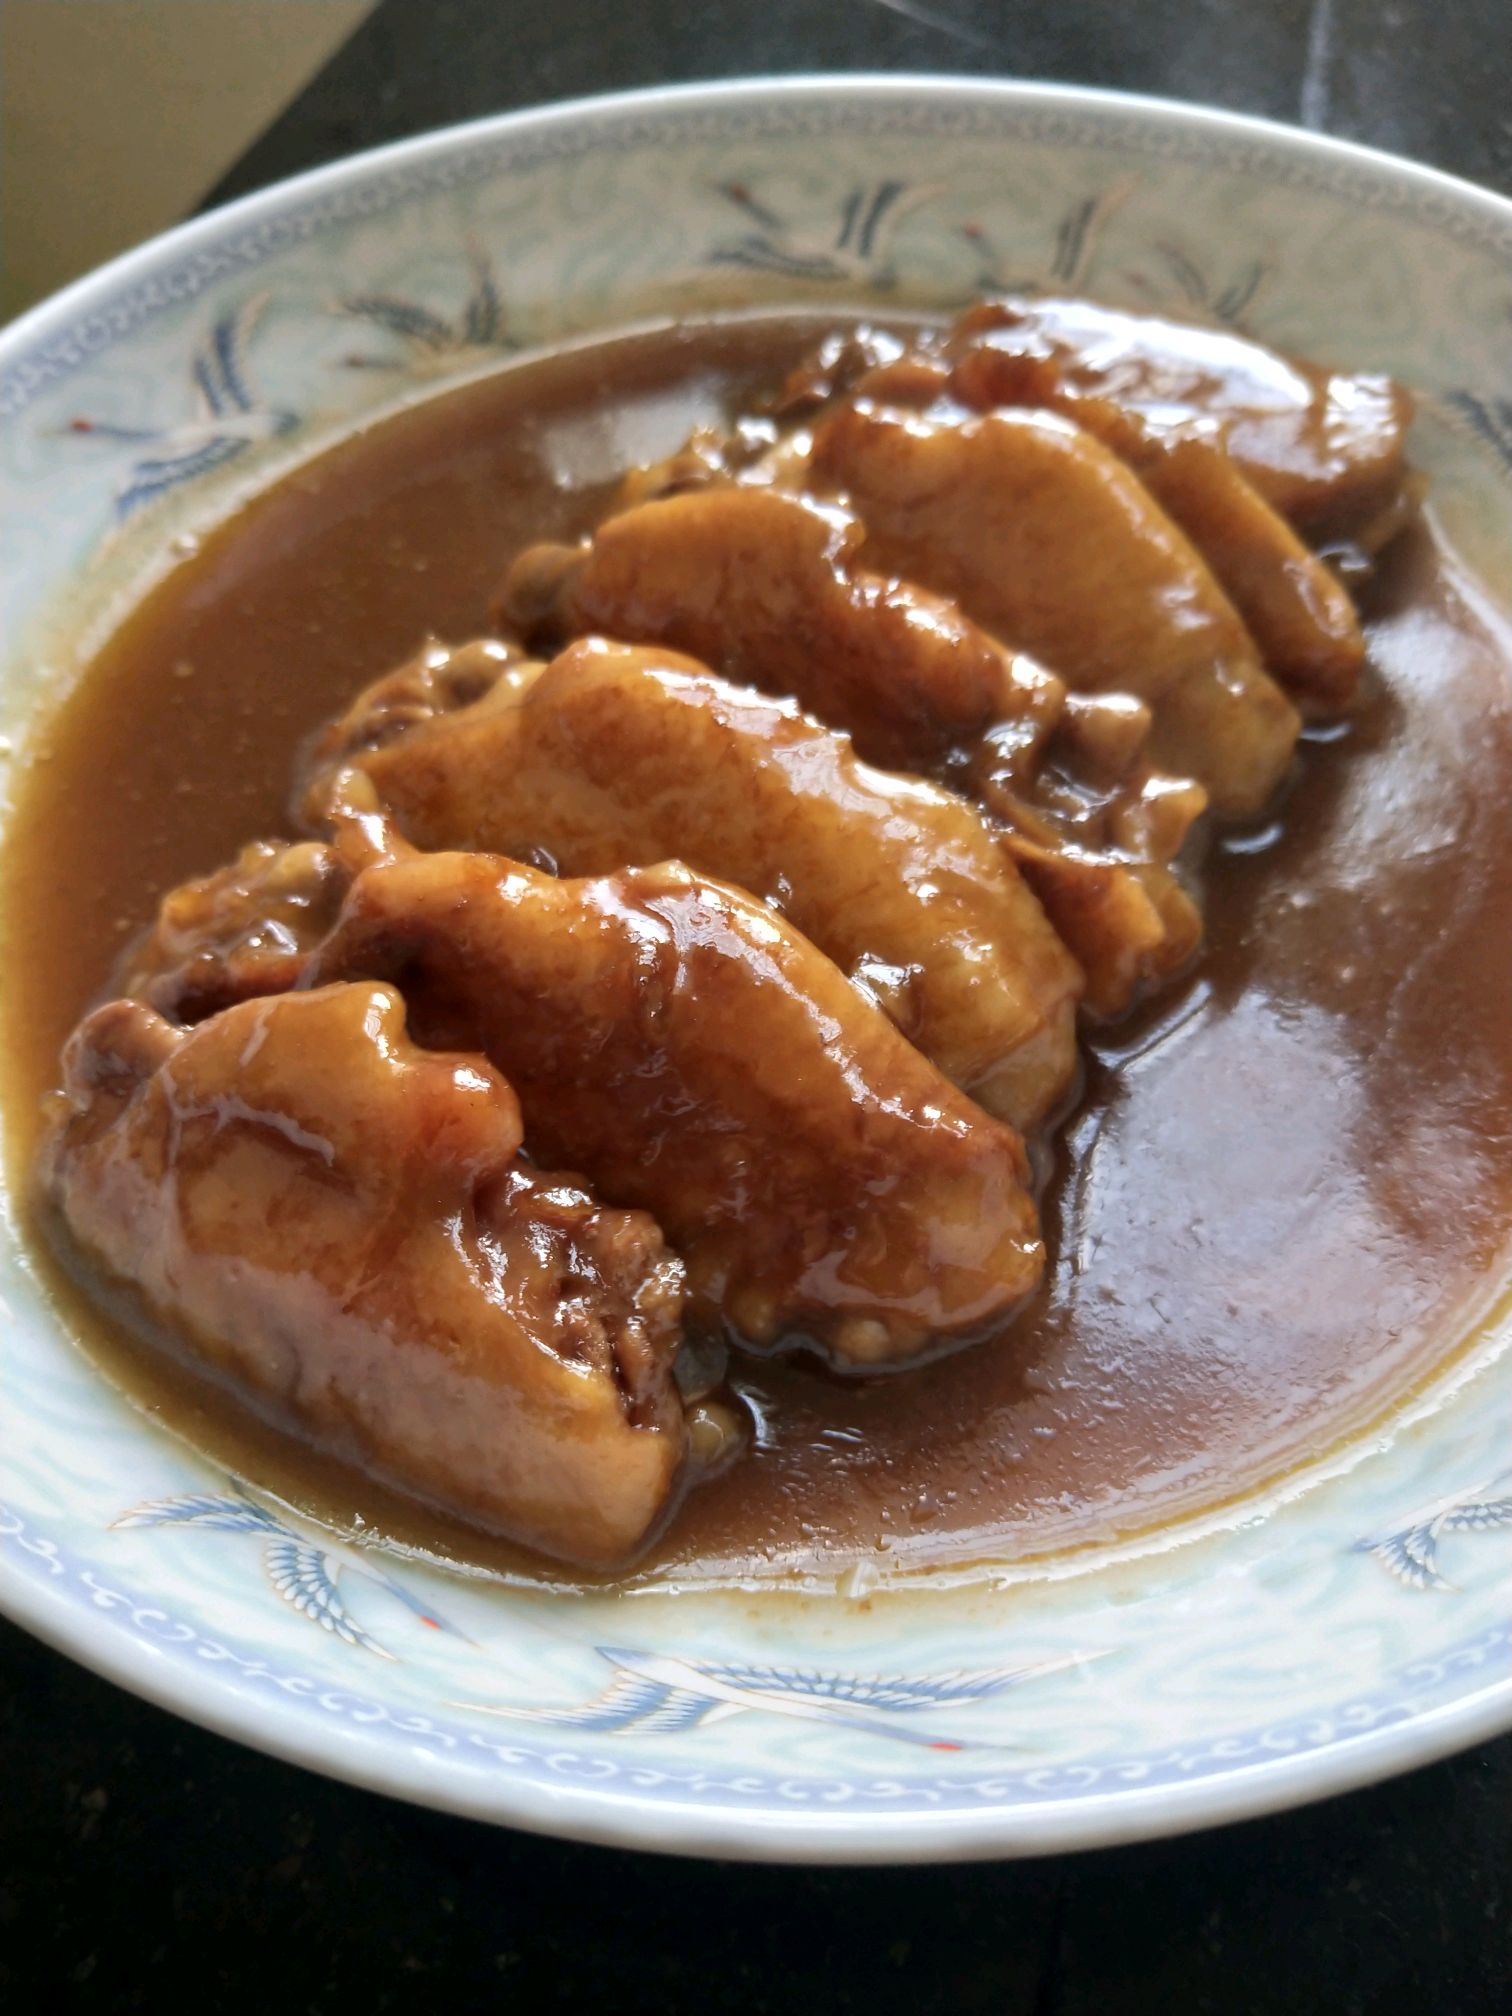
x: 1325, y: 450
x: 341, y: 1227
x: 245, y: 931
x: 438, y: 680
x: 684, y: 1046
x: 618, y: 755
x: 1297, y: 611
x: 761, y: 586
x: 1045, y: 539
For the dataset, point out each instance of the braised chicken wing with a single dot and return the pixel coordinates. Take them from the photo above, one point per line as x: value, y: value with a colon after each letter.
x: 244, y: 931
x: 1325, y: 449
x: 1043, y: 537
x: 341, y: 1226
x: 765, y: 586
x: 618, y: 755
x: 1298, y: 612
x: 1296, y: 608
x: 762, y: 586
x: 438, y: 680
x: 683, y: 1045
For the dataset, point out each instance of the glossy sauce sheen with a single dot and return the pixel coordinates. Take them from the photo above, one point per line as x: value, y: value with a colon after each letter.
x: 1285, y: 1187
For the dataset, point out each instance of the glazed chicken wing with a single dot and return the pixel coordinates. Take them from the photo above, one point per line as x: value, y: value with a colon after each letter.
x: 695, y: 1056
x: 1049, y: 542
x: 761, y: 586
x: 1326, y: 450
x: 341, y: 1226
x: 1297, y: 611
x: 617, y: 755
x: 244, y: 931
x: 438, y: 680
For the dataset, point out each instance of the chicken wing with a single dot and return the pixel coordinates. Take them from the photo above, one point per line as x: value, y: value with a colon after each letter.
x: 1297, y: 611
x: 760, y: 585
x: 1327, y: 451
x: 695, y: 1056
x: 340, y: 1225
x: 618, y: 755
x: 1295, y: 607
x: 1048, y: 541
x: 438, y: 680
x: 244, y: 931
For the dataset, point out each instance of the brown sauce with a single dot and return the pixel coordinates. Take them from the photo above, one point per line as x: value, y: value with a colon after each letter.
x: 1286, y: 1185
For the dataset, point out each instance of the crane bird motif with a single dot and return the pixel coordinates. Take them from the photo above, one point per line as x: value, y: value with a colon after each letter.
x: 661, y: 1694
x: 309, y: 1574
x: 424, y: 339
x: 230, y: 419
x: 1411, y: 1552
x: 1074, y: 242
x: 856, y: 247
x: 1488, y: 419
x: 649, y: 1693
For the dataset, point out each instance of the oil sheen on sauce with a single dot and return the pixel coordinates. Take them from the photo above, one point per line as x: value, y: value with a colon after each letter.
x: 1286, y: 1185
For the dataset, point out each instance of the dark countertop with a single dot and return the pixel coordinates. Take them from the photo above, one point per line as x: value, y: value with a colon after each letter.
x: 142, y: 1860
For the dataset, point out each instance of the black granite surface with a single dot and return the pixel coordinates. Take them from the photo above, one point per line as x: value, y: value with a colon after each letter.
x: 1428, y: 78
x: 144, y: 1864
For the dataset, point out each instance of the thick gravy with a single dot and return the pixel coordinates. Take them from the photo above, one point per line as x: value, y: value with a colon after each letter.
x: 1286, y: 1185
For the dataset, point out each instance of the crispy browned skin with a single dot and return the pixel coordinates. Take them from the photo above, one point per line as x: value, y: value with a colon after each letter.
x: 1326, y: 450
x: 695, y: 1056
x: 1047, y: 540
x: 762, y: 586
x: 619, y: 754
x: 244, y: 931
x: 340, y: 1224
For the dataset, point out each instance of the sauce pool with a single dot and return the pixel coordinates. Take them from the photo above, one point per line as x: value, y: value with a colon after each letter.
x: 1285, y: 1187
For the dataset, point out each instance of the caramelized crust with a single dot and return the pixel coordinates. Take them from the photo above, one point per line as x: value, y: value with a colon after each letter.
x: 341, y: 1226
x: 698, y: 1058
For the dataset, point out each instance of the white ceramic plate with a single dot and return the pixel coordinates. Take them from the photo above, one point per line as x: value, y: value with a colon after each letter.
x: 1345, y: 1627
